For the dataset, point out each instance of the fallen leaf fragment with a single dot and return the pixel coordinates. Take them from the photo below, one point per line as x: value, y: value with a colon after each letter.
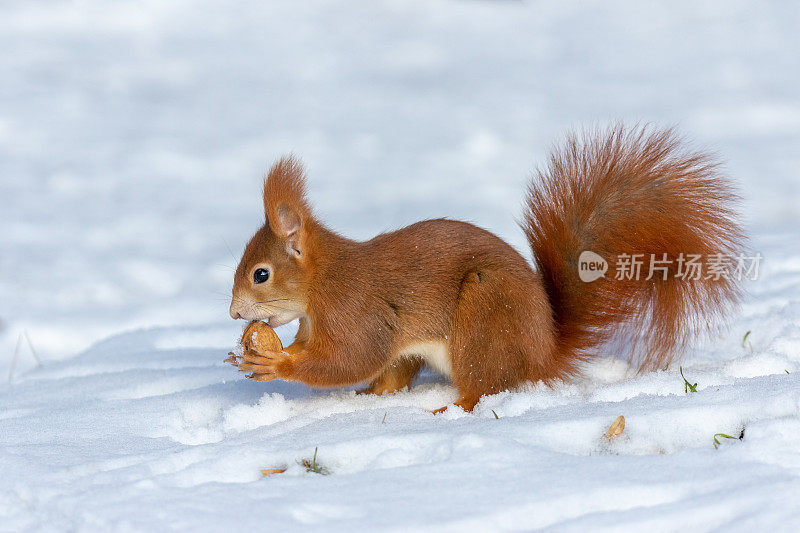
x: 616, y: 428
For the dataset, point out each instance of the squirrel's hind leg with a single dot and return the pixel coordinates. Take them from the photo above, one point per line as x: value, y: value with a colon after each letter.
x: 464, y: 402
x: 397, y: 376
x: 502, y: 333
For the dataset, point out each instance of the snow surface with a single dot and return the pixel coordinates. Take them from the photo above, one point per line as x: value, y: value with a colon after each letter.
x: 133, y: 136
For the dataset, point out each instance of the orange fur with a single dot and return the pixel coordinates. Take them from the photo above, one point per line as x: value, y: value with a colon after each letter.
x: 462, y: 300
x: 631, y: 191
x: 396, y: 376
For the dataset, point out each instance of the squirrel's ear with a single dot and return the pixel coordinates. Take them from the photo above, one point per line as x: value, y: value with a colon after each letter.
x: 285, y: 205
x: 289, y: 226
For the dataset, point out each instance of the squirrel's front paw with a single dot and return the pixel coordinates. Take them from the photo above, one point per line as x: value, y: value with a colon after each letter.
x: 264, y: 366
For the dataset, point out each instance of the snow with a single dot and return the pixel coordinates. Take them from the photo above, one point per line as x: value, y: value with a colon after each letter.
x: 133, y: 137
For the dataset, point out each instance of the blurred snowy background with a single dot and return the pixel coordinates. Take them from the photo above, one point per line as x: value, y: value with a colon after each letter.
x: 133, y: 139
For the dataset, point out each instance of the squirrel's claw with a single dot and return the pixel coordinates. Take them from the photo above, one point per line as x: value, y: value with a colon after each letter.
x: 467, y: 403
x: 261, y: 377
x: 262, y: 366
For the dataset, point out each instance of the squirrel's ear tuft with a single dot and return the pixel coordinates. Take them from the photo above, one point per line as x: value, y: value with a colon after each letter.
x: 285, y: 205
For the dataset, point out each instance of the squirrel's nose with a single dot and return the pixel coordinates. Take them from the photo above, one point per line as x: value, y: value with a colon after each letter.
x: 235, y: 311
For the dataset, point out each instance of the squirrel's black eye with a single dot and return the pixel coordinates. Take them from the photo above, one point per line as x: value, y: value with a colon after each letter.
x: 260, y: 275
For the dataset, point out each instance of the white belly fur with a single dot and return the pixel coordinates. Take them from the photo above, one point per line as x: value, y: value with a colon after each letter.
x: 435, y: 354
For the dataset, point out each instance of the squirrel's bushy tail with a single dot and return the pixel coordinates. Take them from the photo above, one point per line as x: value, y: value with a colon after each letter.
x: 625, y: 194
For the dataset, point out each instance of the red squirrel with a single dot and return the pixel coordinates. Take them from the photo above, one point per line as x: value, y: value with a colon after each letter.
x: 461, y: 300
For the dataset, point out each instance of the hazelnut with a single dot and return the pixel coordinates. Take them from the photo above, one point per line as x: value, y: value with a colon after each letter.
x: 259, y: 338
